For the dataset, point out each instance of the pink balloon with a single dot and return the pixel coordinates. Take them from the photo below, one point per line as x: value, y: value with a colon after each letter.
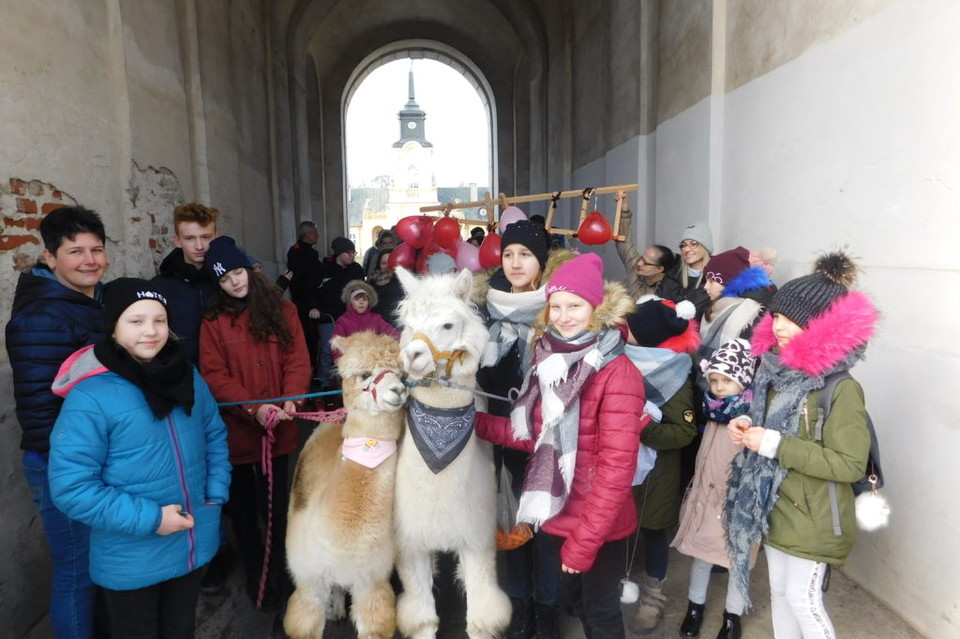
x: 510, y: 215
x: 468, y: 256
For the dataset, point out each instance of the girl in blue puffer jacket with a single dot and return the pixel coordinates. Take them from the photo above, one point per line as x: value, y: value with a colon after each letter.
x: 139, y: 453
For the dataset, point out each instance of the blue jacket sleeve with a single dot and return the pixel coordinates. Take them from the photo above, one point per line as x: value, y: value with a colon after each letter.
x: 217, y: 453
x: 37, y: 344
x: 78, y: 451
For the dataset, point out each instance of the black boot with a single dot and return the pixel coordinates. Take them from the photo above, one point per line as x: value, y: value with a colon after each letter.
x: 731, y: 626
x: 215, y: 578
x: 521, y: 620
x: 690, y: 626
x: 547, y: 621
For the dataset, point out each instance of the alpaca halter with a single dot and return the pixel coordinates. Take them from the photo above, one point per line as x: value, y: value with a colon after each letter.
x: 450, y: 357
x: 371, y: 386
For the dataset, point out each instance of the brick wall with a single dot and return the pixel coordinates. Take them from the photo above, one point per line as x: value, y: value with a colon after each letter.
x: 25, y: 206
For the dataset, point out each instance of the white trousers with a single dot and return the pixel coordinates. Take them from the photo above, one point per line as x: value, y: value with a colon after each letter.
x: 796, y: 597
x: 700, y: 581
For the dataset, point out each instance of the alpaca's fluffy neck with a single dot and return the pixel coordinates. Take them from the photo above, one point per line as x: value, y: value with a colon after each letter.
x: 363, y: 423
x: 444, y: 396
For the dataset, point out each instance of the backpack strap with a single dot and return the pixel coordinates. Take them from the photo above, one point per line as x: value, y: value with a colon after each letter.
x: 824, y: 402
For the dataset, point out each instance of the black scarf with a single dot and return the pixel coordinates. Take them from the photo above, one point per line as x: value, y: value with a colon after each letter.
x: 166, y: 381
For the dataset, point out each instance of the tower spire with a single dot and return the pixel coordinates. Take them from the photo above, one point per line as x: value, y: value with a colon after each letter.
x: 412, y: 117
x: 411, y: 100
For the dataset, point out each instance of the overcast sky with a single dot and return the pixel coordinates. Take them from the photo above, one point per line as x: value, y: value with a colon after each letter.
x: 456, y: 123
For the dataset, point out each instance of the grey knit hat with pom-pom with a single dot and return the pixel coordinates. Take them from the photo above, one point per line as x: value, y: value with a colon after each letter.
x: 809, y: 296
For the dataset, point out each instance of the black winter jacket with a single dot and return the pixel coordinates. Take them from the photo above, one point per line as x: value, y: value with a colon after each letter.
x: 333, y: 279
x: 671, y: 288
x: 48, y: 323
x: 188, y: 291
x: 304, y: 261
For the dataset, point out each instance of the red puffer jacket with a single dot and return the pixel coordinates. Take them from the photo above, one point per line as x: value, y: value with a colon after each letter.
x: 239, y: 368
x: 600, y: 507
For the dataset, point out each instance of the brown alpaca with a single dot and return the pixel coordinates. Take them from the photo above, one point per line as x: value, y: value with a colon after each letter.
x: 340, y: 529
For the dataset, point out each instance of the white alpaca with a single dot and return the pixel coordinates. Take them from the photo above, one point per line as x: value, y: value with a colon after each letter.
x: 453, y: 509
x: 340, y: 524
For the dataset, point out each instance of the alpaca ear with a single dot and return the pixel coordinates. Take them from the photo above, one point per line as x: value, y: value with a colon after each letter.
x: 463, y: 285
x: 407, y: 279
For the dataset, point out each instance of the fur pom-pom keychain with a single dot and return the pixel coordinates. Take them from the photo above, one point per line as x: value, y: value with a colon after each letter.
x: 629, y: 591
x: 873, y: 511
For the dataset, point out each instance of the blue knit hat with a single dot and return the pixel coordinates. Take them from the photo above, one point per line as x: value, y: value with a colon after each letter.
x: 223, y: 256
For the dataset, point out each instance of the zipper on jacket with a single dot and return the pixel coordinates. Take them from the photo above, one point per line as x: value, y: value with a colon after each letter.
x: 182, y: 475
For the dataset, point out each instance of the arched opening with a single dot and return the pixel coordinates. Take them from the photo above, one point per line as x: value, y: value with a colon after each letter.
x: 437, y: 147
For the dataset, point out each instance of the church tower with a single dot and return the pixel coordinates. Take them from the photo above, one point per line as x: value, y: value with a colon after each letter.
x: 413, y: 182
x: 412, y: 119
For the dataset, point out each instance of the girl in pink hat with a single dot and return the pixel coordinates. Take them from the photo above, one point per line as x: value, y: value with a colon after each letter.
x: 579, y: 415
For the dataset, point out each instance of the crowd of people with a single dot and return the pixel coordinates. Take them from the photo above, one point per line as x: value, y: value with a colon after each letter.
x: 682, y: 399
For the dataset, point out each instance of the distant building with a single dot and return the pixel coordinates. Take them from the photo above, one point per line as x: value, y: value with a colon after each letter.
x: 411, y: 184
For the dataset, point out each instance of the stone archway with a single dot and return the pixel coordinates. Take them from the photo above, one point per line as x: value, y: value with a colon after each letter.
x: 327, y: 46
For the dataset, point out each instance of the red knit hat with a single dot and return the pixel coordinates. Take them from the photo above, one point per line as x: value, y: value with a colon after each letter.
x: 582, y: 276
x: 724, y: 267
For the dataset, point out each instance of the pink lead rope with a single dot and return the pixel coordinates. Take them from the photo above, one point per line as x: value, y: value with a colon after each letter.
x: 267, y: 441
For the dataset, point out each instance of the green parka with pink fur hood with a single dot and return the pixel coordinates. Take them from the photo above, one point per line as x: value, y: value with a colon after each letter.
x: 783, y: 492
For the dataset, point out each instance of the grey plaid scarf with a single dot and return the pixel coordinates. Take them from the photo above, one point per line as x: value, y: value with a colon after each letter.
x: 559, y: 371
x: 513, y: 315
x: 664, y: 371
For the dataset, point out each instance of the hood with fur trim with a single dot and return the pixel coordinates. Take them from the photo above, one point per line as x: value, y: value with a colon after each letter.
x: 749, y: 279
x: 353, y: 285
x: 847, y: 325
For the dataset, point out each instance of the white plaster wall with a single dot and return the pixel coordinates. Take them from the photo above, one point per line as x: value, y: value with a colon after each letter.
x: 857, y: 143
x: 682, y: 161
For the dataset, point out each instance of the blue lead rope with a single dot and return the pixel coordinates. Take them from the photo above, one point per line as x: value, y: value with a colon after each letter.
x: 280, y: 399
x: 426, y: 381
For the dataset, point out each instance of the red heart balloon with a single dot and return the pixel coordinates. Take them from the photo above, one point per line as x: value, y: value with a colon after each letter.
x: 404, y: 255
x: 490, y: 251
x: 594, y: 229
x: 431, y: 246
x: 446, y: 232
x: 422, y: 267
x: 415, y: 230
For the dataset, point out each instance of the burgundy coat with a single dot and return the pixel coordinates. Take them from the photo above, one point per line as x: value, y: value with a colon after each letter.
x: 239, y: 368
x: 600, y: 507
